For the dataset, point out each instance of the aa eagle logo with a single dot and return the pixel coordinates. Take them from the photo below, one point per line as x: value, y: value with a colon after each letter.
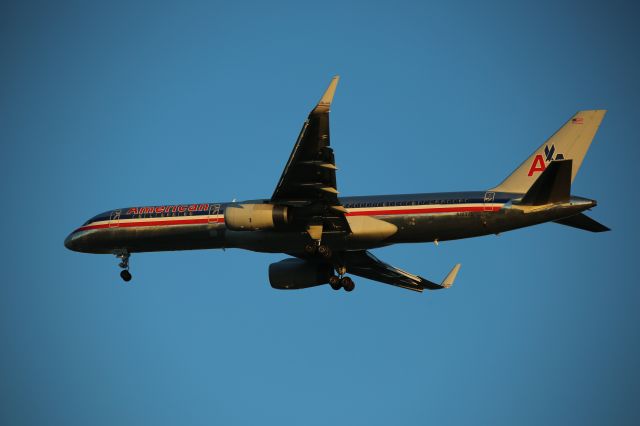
x: 540, y: 161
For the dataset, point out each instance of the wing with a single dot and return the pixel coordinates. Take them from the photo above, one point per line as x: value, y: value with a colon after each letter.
x: 365, y: 264
x: 310, y: 174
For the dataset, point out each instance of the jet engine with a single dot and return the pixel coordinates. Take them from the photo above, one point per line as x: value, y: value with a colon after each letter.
x: 295, y: 274
x: 255, y: 217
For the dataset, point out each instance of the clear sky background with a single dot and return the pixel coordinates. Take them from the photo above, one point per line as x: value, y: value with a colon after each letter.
x: 114, y: 104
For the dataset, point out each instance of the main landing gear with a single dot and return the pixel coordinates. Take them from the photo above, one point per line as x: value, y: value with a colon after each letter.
x: 335, y: 281
x: 320, y: 249
x: 124, y: 264
x: 340, y: 281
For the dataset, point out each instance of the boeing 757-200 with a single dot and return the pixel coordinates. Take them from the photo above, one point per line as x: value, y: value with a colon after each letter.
x: 327, y: 236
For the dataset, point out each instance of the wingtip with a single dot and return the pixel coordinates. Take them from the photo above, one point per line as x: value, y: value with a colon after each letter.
x: 451, y: 277
x: 591, y: 114
x: 327, y: 97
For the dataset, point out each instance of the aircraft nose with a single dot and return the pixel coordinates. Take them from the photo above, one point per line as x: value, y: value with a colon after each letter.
x: 71, y: 242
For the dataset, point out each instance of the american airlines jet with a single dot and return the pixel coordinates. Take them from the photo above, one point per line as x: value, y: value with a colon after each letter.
x: 327, y: 237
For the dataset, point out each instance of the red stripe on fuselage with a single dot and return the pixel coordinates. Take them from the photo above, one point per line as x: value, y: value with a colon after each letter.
x: 165, y: 222
x: 425, y: 210
x: 174, y: 222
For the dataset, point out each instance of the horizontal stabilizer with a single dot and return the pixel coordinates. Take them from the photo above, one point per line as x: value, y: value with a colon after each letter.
x: 582, y: 221
x: 553, y: 185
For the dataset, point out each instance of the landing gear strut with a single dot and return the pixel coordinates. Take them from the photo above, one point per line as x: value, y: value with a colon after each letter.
x: 334, y: 282
x: 124, y: 264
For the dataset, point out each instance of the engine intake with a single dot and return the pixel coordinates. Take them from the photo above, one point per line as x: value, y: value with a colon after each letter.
x: 255, y: 217
x: 295, y: 274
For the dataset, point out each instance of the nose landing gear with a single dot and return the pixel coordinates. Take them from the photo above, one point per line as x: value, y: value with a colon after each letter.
x: 124, y: 264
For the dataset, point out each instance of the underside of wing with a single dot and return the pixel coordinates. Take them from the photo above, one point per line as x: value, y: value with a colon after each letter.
x: 310, y: 173
x: 308, y: 181
x: 365, y: 264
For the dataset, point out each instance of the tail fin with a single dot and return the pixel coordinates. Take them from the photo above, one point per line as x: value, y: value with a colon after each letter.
x: 571, y: 142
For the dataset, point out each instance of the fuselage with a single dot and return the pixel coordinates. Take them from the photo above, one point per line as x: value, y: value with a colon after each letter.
x: 375, y: 221
x: 326, y: 236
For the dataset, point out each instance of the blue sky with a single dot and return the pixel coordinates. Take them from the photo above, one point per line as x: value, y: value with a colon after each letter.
x: 114, y: 104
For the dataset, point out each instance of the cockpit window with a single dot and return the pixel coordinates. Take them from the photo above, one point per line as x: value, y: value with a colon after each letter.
x: 96, y: 218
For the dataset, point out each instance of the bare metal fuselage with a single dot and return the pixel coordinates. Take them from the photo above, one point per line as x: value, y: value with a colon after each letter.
x: 375, y: 221
x: 327, y: 237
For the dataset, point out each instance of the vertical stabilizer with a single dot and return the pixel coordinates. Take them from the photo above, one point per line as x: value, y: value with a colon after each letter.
x: 571, y: 142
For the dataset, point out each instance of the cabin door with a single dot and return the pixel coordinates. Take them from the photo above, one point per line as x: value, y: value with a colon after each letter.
x: 489, y: 198
x: 114, y: 219
x: 214, y: 211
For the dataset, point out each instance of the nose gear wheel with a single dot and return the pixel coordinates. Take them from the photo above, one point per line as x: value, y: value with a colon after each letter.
x: 124, y: 264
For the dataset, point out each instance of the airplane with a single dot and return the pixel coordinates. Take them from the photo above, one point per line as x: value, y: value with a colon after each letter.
x: 327, y: 237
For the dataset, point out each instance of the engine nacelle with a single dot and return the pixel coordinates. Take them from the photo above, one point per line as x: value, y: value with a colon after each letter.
x: 255, y: 217
x: 295, y: 274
